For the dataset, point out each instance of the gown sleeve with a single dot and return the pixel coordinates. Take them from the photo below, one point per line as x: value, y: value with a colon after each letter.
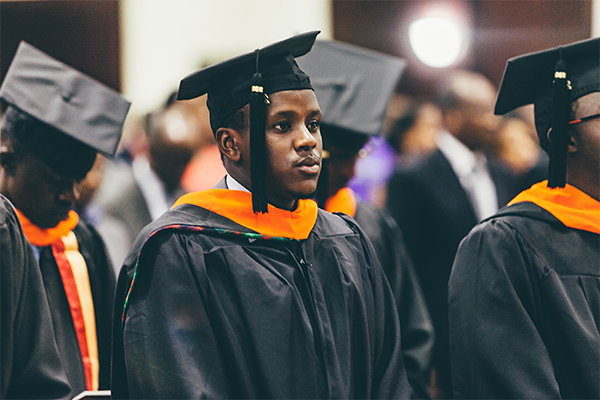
x: 389, y: 374
x: 171, y: 349
x: 31, y: 367
x: 415, y: 322
x: 494, y: 306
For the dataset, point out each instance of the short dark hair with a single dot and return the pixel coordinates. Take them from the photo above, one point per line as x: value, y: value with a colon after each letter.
x: 239, y: 120
x: 401, y: 125
x: 63, y: 154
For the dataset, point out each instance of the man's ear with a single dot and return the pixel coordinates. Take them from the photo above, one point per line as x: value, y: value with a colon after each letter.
x: 228, y: 141
x: 573, y: 141
x: 7, y: 159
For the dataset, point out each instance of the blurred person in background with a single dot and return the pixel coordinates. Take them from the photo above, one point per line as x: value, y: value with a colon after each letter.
x: 206, y: 168
x: 517, y: 146
x: 134, y: 194
x: 350, y: 118
x: 438, y: 198
x: 410, y: 128
x: 88, y: 187
x: 56, y: 122
x: 413, y: 133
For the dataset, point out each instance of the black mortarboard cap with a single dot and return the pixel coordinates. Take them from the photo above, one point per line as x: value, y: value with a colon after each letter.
x: 247, y: 79
x: 551, y: 79
x: 353, y: 85
x: 65, y: 99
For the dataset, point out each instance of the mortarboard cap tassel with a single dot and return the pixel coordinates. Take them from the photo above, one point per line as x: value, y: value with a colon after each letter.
x: 559, y: 138
x: 258, y: 100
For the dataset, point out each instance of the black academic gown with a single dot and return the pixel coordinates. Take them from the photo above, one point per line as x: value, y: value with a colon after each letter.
x: 102, y: 284
x: 31, y: 367
x: 524, y: 301
x: 415, y: 322
x: 434, y: 213
x: 215, y: 313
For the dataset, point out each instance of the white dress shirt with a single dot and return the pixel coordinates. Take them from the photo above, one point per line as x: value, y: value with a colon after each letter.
x: 472, y: 172
x: 232, y: 184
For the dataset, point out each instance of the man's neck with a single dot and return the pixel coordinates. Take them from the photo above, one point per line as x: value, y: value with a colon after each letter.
x: 584, y: 178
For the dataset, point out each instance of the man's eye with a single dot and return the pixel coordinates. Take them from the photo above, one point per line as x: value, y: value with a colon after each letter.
x: 313, y: 126
x: 282, y: 126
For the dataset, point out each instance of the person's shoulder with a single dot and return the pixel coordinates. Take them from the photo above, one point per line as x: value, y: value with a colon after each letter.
x: 367, y: 211
x: 419, y: 170
x: 519, y: 223
x: 422, y: 162
x: 334, y: 224
x: 524, y: 216
x: 185, y: 219
x: 8, y: 215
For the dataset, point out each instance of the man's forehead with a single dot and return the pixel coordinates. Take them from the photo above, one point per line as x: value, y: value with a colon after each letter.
x: 292, y: 101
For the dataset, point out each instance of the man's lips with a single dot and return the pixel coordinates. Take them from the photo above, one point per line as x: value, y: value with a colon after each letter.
x: 310, y: 165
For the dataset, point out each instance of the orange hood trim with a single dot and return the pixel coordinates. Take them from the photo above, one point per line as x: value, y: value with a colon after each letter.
x: 343, y: 201
x: 237, y: 206
x: 44, y: 237
x: 569, y: 205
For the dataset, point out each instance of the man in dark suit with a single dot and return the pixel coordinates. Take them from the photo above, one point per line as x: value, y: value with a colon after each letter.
x: 134, y: 194
x: 438, y: 199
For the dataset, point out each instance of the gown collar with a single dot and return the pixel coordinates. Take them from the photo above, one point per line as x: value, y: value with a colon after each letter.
x: 236, y: 205
x: 569, y: 205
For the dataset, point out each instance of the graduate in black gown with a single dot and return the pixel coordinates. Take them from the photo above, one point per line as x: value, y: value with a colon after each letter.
x: 354, y: 99
x: 56, y: 121
x: 28, y: 347
x: 249, y: 290
x: 524, y: 294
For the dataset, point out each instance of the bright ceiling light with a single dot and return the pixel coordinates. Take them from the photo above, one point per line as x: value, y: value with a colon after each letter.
x: 437, y: 42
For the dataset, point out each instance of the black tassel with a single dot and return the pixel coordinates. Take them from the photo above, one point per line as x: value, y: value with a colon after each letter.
x: 559, y: 138
x: 258, y: 151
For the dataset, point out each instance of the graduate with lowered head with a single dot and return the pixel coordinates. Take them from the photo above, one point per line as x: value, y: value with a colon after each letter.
x: 56, y: 122
x: 524, y: 294
x: 249, y: 290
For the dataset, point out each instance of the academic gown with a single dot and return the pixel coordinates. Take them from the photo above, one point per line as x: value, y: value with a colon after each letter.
x: 524, y: 301
x: 212, y: 309
x: 31, y: 366
x: 415, y: 323
x: 102, y: 284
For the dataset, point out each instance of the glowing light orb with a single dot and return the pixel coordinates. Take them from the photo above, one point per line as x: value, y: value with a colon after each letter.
x: 437, y: 42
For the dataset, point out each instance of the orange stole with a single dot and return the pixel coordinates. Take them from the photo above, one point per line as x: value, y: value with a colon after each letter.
x: 343, y: 201
x: 237, y: 206
x: 569, y: 205
x: 76, y: 283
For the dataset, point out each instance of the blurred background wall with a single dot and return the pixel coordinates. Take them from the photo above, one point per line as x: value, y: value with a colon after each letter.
x: 144, y: 47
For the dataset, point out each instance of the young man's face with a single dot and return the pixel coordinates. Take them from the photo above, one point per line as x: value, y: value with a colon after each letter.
x: 294, y: 147
x: 43, y: 196
x: 588, y: 135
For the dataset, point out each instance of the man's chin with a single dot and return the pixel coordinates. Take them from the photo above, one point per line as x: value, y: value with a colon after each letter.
x: 308, y: 195
x: 48, y: 223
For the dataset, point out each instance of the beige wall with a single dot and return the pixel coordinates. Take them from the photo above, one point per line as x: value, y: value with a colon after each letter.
x: 164, y: 40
